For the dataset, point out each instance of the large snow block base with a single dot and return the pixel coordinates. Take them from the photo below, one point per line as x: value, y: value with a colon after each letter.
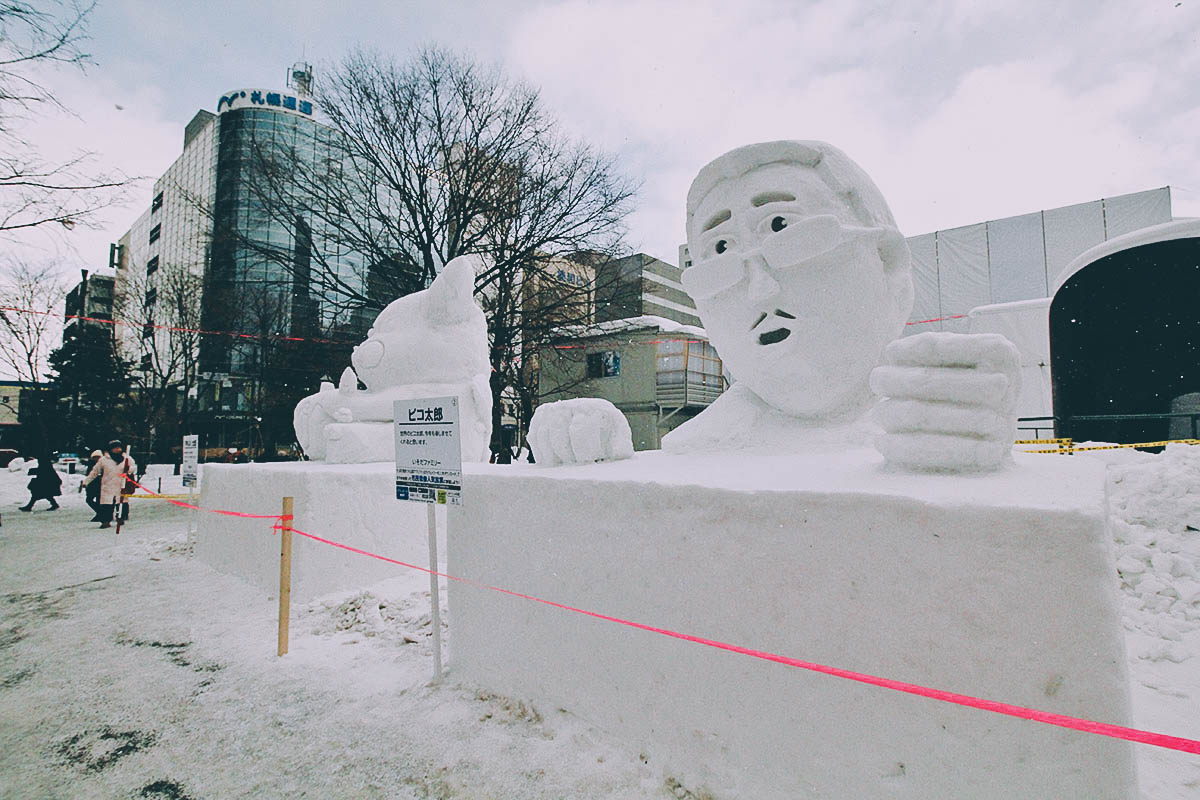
x: 998, y: 586
x: 350, y: 503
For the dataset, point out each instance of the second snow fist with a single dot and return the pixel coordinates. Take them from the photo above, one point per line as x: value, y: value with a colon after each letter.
x: 579, y: 431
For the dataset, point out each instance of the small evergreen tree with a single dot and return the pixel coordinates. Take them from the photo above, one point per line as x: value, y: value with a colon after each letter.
x: 92, y: 386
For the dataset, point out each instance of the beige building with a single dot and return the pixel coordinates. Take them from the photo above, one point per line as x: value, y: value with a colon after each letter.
x: 659, y: 373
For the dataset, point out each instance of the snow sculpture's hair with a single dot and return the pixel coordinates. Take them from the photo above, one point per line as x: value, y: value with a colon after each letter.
x: 846, y: 179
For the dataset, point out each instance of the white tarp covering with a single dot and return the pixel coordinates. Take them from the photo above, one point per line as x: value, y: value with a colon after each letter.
x: 1017, y: 257
x: 1130, y: 212
x: 1027, y: 325
x: 927, y: 304
x: 1070, y: 231
x: 963, y: 272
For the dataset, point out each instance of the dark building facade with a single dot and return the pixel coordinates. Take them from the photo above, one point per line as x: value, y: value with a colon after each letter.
x: 642, y: 285
x: 239, y: 213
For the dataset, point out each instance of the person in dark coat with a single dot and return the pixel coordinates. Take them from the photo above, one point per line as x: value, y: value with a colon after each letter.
x: 92, y: 490
x: 44, y: 485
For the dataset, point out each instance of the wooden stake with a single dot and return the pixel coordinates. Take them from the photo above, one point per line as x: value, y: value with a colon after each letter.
x: 285, y: 575
x: 117, y: 508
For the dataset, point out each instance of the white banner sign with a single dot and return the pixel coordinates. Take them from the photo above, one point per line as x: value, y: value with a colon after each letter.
x: 191, y: 460
x: 428, y: 451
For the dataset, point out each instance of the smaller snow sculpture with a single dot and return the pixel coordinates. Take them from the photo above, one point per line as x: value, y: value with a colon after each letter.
x: 579, y: 431
x: 426, y: 344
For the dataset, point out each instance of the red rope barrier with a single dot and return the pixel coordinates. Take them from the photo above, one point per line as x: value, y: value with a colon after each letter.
x: 996, y: 707
x: 181, y: 504
x: 937, y: 319
x: 201, y: 331
x: 1059, y: 720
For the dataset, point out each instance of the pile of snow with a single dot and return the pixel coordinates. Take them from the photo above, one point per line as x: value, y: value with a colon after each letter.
x: 1156, y: 526
x: 387, y: 612
x: 1154, y: 503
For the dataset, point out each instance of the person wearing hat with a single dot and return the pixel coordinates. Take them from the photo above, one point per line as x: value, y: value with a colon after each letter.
x: 92, y: 490
x: 112, y: 469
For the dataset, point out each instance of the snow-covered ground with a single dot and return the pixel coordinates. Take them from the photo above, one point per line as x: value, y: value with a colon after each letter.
x: 130, y: 670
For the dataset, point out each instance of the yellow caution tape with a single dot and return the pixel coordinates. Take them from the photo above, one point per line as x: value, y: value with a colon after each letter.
x: 1043, y: 441
x: 156, y: 496
x: 1135, y: 445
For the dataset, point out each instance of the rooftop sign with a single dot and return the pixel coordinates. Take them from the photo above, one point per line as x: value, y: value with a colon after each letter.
x: 264, y: 98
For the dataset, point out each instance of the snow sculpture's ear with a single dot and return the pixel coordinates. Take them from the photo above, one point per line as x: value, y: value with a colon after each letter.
x: 450, y: 294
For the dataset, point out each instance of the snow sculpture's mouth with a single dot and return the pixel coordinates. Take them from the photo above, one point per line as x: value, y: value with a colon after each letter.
x: 773, y: 336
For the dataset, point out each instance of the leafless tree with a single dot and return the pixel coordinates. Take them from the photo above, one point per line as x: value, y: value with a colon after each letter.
x: 34, y: 190
x: 31, y: 299
x: 159, y: 335
x: 434, y: 158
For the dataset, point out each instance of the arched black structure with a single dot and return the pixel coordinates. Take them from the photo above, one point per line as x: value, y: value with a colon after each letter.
x: 1125, y: 339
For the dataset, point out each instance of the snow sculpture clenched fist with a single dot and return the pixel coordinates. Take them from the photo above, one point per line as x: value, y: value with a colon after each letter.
x: 579, y: 431
x: 949, y: 400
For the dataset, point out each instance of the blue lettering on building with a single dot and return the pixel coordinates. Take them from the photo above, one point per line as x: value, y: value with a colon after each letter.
x: 260, y: 98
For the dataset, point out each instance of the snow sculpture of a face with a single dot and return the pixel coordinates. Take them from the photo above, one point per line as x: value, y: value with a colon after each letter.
x: 430, y: 336
x: 799, y: 273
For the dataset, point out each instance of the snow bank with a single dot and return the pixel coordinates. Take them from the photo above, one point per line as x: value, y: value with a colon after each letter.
x: 1000, y: 587
x: 1156, y: 526
x: 351, y: 503
x: 1155, y: 505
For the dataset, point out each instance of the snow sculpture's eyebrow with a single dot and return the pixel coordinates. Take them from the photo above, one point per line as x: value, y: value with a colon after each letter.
x: 717, y: 219
x: 772, y: 197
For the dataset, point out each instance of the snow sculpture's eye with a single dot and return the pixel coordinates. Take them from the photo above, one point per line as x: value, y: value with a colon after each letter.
x: 721, y: 246
x: 777, y: 223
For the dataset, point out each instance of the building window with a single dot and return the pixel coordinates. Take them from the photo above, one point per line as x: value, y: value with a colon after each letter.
x: 151, y: 296
x: 155, y: 232
x: 148, y: 330
x: 605, y: 364
x: 157, y: 203
x: 152, y: 265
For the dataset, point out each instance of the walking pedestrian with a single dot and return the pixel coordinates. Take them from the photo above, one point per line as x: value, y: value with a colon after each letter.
x: 92, y: 490
x: 112, y: 471
x: 44, y: 485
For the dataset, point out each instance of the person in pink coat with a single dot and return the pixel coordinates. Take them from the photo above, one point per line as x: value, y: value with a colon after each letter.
x: 113, y: 469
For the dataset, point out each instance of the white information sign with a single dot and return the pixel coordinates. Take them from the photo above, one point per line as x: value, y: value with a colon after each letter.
x: 191, y: 460
x: 428, y: 451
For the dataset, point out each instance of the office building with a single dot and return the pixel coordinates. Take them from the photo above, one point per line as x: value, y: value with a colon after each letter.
x: 211, y: 253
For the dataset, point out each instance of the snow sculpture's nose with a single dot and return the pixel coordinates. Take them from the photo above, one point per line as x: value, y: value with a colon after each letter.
x: 368, y: 354
x: 762, y: 285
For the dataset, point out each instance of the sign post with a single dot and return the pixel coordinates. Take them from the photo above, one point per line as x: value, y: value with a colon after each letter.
x: 190, y: 471
x: 429, y: 470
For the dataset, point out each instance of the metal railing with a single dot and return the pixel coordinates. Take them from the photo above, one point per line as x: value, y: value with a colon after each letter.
x: 1063, y: 426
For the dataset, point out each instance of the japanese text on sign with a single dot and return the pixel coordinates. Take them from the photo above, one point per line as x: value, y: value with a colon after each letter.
x: 428, y: 451
x: 190, y: 469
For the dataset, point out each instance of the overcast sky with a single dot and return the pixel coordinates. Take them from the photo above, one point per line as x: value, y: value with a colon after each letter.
x: 961, y: 111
